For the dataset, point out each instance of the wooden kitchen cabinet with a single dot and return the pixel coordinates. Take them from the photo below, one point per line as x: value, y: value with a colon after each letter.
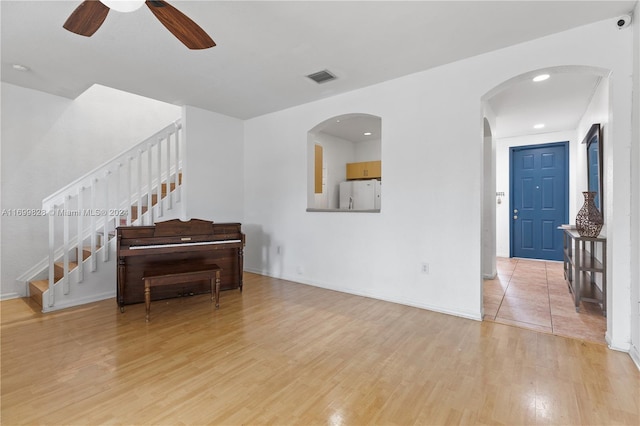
x: 364, y: 170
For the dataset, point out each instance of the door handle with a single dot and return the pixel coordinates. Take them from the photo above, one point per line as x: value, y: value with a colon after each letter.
x: 515, y: 216
x: 515, y: 211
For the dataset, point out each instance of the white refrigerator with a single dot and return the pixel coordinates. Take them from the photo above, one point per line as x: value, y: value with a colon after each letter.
x: 360, y: 194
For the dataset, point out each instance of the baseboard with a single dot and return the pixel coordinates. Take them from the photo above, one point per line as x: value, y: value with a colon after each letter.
x: 616, y: 346
x: 634, y: 353
x: 8, y: 296
x: 81, y: 301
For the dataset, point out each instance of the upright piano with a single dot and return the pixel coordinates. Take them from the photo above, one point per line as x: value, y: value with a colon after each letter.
x: 146, y: 249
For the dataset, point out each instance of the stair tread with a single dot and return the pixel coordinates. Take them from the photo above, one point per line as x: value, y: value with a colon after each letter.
x: 71, y: 264
x: 41, y: 285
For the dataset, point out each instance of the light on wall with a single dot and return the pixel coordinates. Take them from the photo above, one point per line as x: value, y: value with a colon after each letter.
x: 123, y: 5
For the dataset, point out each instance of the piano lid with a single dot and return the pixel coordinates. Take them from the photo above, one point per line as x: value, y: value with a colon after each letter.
x: 176, y: 228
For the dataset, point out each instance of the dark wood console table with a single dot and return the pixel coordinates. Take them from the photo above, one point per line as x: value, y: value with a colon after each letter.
x: 581, y: 268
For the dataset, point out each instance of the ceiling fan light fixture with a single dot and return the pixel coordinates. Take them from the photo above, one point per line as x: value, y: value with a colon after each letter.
x: 87, y: 18
x: 123, y: 5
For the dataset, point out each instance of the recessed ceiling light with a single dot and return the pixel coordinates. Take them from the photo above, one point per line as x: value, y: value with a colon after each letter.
x: 541, y: 77
x: 367, y: 133
x: 538, y: 126
x: 20, y: 67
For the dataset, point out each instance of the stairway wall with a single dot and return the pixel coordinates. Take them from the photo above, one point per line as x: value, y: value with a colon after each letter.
x: 48, y: 141
x: 213, y: 166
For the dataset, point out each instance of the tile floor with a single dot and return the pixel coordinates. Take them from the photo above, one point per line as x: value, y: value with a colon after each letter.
x: 533, y: 294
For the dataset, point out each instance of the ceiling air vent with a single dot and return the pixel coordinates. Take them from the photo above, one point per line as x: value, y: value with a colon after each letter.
x: 322, y: 76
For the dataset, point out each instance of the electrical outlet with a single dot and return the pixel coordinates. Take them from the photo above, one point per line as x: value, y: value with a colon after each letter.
x: 424, y: 268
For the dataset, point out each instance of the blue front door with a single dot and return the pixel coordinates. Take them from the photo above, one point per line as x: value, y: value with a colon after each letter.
x: 539, y: 200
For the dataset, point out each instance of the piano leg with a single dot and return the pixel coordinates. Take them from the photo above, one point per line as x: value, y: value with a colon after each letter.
x: 147, y: 302
x: 215, y: 289
x: 240, y: 266
x: 121, y: 279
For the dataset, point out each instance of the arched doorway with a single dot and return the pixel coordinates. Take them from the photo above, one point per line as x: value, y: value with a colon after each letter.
x: 500, y: 105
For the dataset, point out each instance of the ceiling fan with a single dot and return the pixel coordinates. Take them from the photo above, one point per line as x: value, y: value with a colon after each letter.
x: 90, y: 15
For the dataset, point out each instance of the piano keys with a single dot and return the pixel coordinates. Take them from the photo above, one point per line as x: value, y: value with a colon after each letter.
x: 147, y: 249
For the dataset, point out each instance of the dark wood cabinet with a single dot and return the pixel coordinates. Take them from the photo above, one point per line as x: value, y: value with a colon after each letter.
x: 586, y: 274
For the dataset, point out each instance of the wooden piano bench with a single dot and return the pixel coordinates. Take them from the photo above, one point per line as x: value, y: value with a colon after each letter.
x: 187, y: 274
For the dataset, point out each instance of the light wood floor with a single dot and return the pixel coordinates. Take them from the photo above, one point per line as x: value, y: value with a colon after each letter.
x: 285, y: 353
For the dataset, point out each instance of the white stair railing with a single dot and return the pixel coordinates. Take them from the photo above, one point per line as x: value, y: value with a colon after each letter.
x: 109, y: 196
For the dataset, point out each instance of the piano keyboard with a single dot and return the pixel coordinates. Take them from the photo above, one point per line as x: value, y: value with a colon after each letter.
x: 202, y: 243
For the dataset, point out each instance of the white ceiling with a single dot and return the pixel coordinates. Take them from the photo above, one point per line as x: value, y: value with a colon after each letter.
x: 353, y: 127
x: 558, y: 102
x: 266, y: 48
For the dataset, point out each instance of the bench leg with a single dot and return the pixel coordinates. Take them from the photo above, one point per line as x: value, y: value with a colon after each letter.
x: 215, y: 292
x: 147, y: 301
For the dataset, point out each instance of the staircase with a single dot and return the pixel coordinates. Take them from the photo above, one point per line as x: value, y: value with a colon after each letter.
x: 138, y: 187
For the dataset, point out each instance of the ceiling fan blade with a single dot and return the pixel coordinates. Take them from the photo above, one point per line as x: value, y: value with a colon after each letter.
x: 87, y: 18
x: 187, y: 31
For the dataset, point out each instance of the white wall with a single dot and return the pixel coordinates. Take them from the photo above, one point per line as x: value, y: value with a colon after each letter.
x: 47, y: 142
x: 370, y: 150
x: 433, y: 180
x: 337, y: 152
x: 635, y: 192
x: 213, y: 165
x: 597, y: 112
x: 489, y: 198
x: 503, y: 213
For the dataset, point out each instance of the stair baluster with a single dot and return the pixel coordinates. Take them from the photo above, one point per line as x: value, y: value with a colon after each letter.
x: 106, y: 227
x: 52, y: 249
x: 159, y: 184
x: 79, y: 233
x: 65, y: 245
x: 178, y: 184
x: 150, y: 217
x: 141, y: 201
x: 128, y: 192
x: 168, y: 172
x: 92, y: 226
x: 139, y: 189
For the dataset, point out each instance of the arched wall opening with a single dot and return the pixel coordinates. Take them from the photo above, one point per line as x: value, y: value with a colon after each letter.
x: 344, y: 152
